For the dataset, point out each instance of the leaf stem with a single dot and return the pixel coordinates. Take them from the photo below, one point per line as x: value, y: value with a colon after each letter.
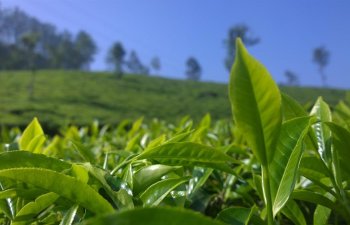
x: 267, y: 191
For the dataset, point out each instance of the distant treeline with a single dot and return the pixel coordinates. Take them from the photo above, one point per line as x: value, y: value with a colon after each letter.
x: 26, y: 42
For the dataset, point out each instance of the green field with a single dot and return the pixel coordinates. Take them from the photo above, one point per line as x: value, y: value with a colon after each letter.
x: 275, y: 163
x: 62, y: 97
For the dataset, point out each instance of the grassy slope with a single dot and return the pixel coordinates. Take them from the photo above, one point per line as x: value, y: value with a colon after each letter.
x: 77, y: 97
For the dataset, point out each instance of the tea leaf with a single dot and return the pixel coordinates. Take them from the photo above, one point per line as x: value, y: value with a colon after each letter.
x: 153, y: 216
x: 256, y: 104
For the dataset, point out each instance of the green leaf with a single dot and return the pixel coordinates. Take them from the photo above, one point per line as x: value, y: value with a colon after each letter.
x: 84, y: 152
x: 9, y: 193
x: 316, y: 171
x: 313, y: 197
x: 69, y: 216
x: 135, y: 127
x: 154, y: 195
x: 80, y: 172
x: 33, y: 137
x: 148, y: 175
x: 119, y: 198
x: 291, y: 108
x: 15, y: 159
x: 284, y: 166
x: 341, y: 143
x: 199, y: 177
x: 154, y: 216
x: 256, y: 104
x: 32, y: 209
x: 321, y: 215
x: 235, y: 215
x: 63, y: 185
x: 323, y: 135
x: 189, y: 154
x: 293, y: 212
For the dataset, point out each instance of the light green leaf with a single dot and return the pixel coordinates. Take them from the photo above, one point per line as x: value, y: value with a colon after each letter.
x: 189, y: 154
x: 148, y: 175
x: 9, y: 193
x: 256, y: 104
x: 84, y: 152
x: 69, y: 216
x: 154, y: 195
x: 135, y: 127
x: 80, y: 173
x: 284, y: 166
x: 291, y: 108
x: 323, y: 114
x: 63, y: 185
x: 33, y: 137
x: 154, y: 216
x: 128, y: 175
x: 321, y: 215
x: 32, y: 209
x: 16, y: 159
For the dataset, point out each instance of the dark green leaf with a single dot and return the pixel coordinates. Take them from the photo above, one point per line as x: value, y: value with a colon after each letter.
x: 153, y: 216
x: 153, y: 195
x: 293, y: 212
x: 148, y: 175
x: 235, y: 215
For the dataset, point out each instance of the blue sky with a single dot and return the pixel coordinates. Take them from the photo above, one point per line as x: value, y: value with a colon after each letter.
x: 174, y: 30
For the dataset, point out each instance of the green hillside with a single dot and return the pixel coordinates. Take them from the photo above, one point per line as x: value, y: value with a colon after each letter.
x: 62, y: 97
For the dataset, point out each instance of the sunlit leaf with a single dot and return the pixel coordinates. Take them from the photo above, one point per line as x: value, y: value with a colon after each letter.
x: 153, y: 195
x: 33, y: 137
x: 189, y: 154
x: 256, y: 104
x: 283, y: 169
x: 63, y: 185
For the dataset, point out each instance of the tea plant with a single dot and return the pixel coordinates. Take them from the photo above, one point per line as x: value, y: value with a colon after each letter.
x: 274, y: 164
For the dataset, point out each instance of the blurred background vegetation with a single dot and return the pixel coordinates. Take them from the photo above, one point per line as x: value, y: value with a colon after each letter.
x: 46, y: 73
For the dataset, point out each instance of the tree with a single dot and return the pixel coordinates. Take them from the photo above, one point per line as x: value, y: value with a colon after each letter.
x: 115, y: 57
x: 321, y: 58
x: 86, y: 49
x: 292, y: 78
x: 238, y: 31
x: 30, y: 41
x: 135, y: 65
x: 155, y: 64
x: 194, y: 70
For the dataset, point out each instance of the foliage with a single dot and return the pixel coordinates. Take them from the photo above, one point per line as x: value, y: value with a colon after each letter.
x: 193, y: 69
x: 21, y: 33
x: 292, y: 78
x: 155, y: 64
x: 116, y: 58
x: 276, y: 164
x: 65, y: 97
x: 321, y: 58
x: 243, y: 32
x: 135, y: 65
